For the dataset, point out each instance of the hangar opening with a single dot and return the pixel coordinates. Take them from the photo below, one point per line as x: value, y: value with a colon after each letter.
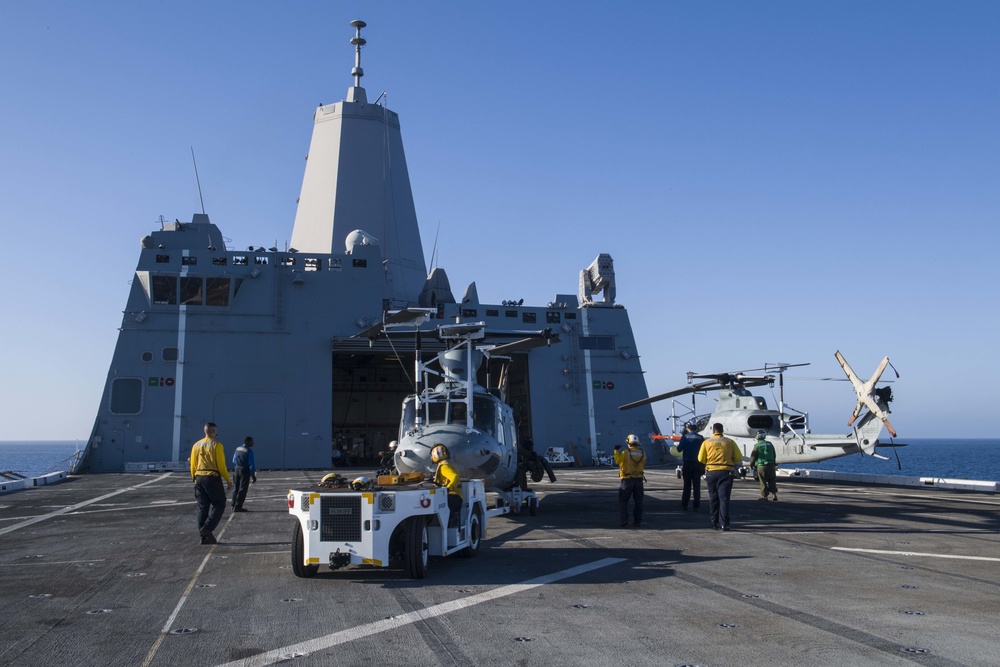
x: 369, y: 384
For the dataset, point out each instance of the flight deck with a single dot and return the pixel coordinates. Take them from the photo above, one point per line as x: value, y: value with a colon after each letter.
x: 108, y: 569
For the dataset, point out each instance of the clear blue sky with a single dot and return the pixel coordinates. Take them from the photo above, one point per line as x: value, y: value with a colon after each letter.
x: 775, y: 180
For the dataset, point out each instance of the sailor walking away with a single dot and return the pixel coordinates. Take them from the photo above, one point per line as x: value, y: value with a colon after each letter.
x: 763, y: 459
x: 208, y: 469
x: 244, y: 472
x: 720, y: 456
x: 691, y: 468
x: 631, y: 466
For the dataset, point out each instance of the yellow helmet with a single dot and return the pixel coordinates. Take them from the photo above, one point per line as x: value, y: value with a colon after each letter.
x: 362, y: 483
x: 632, y: 440
x: 439, y: 453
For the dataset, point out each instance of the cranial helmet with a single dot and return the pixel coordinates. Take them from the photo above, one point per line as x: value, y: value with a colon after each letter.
x: 439, y: 453
x: 361, y: 483
x: 761, y: 434
x: 632, y: 440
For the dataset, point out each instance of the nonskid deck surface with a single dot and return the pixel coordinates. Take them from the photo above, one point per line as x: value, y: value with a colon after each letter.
x: 108, y: 570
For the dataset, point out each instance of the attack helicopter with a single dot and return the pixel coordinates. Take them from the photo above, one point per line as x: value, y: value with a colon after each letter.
x: 742, y: 414
x: 450, y: 407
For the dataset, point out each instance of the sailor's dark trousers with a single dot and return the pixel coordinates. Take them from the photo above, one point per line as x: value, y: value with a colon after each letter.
x: 720, y: 487
x: 209, y: 493
x: 692, y: 472
x: 631, y: 487
x: 241, y: 482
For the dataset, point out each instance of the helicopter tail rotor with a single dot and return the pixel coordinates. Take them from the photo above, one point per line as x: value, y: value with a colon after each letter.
x: 876, y: 400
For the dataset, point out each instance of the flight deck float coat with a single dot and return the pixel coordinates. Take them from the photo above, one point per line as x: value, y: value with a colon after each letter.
x: 631, y: 463
x: 446, y: 475
x: 762, y: 454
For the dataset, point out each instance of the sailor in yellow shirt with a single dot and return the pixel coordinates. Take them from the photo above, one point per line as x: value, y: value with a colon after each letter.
x: 208, y: 469
x: 446, y: 475
x: 631, y: 467
x: 719, y: 455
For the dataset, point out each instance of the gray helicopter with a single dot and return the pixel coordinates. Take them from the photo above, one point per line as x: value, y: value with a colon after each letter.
x: 742, y: 414
x: 451, y: 408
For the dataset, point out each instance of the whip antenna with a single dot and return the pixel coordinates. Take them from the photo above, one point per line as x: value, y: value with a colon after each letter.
x: 198, y: 181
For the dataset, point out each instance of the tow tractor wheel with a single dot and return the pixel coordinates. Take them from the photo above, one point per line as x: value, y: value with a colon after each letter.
x: 475, y: 529
x: 532, y: 505
x: 417, y: 548
x: 298, y: 554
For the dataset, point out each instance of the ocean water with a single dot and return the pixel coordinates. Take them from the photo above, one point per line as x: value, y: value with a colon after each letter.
x: 952, y: 458
x: 976, y: 459
x: 33, y: 459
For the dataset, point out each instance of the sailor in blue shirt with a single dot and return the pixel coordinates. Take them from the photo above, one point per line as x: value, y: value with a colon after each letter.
x: 691, y: 468
x: 244, y: 471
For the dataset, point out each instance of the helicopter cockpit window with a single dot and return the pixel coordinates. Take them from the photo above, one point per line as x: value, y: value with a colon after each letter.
x: 484, y: 415
x: 436, y: 413
x: 458, y: 413
x: 409, y: 417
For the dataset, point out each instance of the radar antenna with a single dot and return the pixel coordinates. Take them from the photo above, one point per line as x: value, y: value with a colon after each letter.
x: 358, y: 41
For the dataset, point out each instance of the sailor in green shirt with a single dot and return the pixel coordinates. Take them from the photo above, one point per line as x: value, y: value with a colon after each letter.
x: 764, y: 459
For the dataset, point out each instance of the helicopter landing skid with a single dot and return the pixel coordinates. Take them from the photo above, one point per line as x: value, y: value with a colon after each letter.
x: 515, y: 498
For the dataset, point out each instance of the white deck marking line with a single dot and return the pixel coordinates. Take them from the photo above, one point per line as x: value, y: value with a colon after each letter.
x: 71, y: 508
x: 915, y: 553
x: 361, y: 631
x: 555, y: 539
x: 58, y: 562
x: 184, y: 597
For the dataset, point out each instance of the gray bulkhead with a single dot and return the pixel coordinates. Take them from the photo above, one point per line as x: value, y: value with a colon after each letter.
x: 262, y: 341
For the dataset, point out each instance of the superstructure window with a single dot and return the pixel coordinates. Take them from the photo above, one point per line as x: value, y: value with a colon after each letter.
x: 470, y: 312
x: 165, y: 290
x: 171, y: 354
x: 528, y: 318
x: 217, y: 291
x: 189, y: 261
x: 552, y: 316
x: 597, y: 342
x: 192, y: 291
x: 492, y: 312
x: 126, y: 396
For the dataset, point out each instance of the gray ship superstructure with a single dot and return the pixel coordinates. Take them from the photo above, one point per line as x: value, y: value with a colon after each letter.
x: 265, y: 341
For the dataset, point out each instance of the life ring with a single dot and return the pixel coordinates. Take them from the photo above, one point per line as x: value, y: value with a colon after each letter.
x: 425, y: 502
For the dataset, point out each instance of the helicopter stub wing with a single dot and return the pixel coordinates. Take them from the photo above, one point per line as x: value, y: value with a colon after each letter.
x: 866, y: 392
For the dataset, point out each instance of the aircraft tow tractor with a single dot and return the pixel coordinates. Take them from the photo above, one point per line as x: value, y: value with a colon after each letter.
x: 368, y: 524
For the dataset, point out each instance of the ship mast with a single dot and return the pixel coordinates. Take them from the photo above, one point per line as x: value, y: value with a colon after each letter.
x: 357, y: 93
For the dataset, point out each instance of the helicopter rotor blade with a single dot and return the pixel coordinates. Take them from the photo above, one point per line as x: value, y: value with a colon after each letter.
x: 693, y: 389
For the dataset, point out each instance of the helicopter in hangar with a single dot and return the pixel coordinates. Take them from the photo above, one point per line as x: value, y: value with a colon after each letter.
x: 450, y: 407
x: 742, y: 414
